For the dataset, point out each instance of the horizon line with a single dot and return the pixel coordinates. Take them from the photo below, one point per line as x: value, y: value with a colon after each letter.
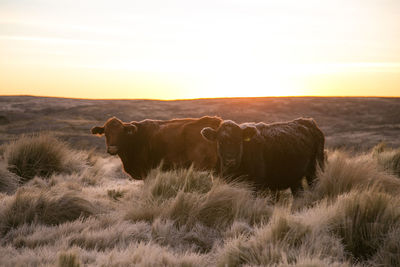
x: 206, y: 98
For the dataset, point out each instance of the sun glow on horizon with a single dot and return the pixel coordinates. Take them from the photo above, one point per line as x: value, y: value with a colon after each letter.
x: 187, y: 49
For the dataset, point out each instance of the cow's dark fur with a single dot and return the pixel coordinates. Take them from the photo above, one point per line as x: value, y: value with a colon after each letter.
x: 144, y: 145
x: 275, y: 156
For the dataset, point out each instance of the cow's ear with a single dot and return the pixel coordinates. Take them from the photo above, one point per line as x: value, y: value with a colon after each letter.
x: 130, y: 128
x: 209, y: 134
x: 97, y: 130
x: 248, y: 133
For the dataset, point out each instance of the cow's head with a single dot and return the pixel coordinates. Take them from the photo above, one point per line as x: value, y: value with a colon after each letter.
x: 229, y: 138
x: 116, y: 133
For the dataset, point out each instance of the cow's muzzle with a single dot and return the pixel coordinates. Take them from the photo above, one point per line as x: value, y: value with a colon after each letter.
x: 112, y: 150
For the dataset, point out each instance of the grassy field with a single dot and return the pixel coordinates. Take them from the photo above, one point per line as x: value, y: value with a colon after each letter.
x: 65, y: 203
x: 354, y: 123
x: 64, y: 207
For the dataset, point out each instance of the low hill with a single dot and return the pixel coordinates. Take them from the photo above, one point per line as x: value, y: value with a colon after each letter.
x: 354, y: 122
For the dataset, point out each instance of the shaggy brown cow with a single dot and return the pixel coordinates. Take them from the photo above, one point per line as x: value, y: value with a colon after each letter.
x: 275, y: 156
x: 143, y: 145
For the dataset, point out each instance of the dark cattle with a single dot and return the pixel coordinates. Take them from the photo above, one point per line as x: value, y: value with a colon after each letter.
x: 275, y: 156
x: 143, y: 145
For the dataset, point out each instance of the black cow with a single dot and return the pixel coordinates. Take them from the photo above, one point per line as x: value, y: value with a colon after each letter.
x: 275, y: 156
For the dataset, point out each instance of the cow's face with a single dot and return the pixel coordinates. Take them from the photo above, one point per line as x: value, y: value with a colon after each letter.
x: 116, y: 133
x: 229, y: 138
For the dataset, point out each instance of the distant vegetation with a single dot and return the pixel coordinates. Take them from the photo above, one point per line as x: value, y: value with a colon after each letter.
x: 60, y: 206
x: 357, y: 123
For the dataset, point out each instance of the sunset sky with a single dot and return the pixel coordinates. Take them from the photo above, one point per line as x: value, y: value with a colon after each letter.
x: 199, y: 49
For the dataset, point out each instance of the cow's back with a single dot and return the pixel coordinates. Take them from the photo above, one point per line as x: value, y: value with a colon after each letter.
x: 281, y: 154
x: 181, y: 144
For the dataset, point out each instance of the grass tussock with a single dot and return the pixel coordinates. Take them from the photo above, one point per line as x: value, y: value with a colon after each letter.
x: 8, y: 181
x: 189, y: 197
x: 152, y: 255
x: 68, y: 259
x: 388, y: 159
x: 388, y: 252
x: 284, y: 240
x: 43, y: 207
x: 164, y: 185
x: 89, y: 214
x: 345, y: 173
x: 118, y: 235
x: 363, y: 221
x: 40, y: 155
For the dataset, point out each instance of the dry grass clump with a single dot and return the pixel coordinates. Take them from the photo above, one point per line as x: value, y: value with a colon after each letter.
x: 307, y: 262
x: 195, y: 238
x: 40, y: 155
x: 33, y: 206
x: 102, y: 237
x: 161, y: 185
x: 388, y: 159
x: 99, y: 169
x: 8, y: 181
x: 149, y: 254
x: 345, y: 173
x: 189, y: 197
x: 364, y: 220
x: 194, y: 212
x: 388, y: 254
x: 68, y: 259
x: 285, y: 240
x: 356, y: 228
x: 225, y: 203
x: 163, y: 190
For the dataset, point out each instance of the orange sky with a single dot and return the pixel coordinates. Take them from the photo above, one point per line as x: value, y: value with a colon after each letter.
x: 190, y: 49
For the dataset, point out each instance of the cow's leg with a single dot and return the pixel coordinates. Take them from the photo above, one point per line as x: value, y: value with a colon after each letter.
x: 311, y: 173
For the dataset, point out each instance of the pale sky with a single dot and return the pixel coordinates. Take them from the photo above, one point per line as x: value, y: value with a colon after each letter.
x: 191, y: 49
